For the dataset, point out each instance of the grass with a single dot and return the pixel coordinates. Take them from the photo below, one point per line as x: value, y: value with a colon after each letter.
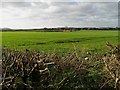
x: 30, y: 70
x: 59, y: 41
x: 33, y: 70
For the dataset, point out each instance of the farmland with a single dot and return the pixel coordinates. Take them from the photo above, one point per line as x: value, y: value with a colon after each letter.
x: 28, y: 69
x: 59, y: 41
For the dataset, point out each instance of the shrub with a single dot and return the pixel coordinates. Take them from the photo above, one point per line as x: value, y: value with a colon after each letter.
x: 30, y: 70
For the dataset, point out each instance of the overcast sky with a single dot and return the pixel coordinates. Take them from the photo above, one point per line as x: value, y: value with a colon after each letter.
x: 57, y: 14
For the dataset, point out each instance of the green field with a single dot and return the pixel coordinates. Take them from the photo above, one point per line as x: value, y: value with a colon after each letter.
x: 59, y: 41
x: 76, y: 60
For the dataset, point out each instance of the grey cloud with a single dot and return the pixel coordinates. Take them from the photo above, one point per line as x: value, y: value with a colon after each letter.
x: 62, y: 14
x: 22, y: 5
x: 60, y: 0
x: 101, y: 10
x: 16, y: 4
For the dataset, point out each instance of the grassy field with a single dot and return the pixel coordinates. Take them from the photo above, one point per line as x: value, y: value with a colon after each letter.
x: 96, y: 69
x: 59, y: 41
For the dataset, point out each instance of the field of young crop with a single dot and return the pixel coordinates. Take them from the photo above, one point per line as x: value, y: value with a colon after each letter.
x: 28, y: 69
x: 59, y: 41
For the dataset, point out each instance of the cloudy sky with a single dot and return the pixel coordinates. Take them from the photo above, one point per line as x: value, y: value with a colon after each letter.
x: 56, y: 14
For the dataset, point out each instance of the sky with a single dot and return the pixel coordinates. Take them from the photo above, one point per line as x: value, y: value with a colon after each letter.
x: 72, y: 13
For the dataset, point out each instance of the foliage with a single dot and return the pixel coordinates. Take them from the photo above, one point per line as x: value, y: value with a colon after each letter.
x: 30, y: 70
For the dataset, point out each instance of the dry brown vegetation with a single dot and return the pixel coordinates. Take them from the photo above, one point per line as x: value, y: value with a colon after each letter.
x: 30, y: 70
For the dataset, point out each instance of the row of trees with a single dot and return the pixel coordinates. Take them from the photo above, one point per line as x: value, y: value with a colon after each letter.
x: 63, y: 29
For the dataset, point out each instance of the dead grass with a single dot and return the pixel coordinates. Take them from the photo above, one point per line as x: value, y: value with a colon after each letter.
x: 30, y: 70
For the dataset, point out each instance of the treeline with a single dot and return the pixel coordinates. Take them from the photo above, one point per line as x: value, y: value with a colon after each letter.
x: 63, y: 29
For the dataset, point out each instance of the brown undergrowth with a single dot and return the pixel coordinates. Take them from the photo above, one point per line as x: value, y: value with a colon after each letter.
x: 30, y: 70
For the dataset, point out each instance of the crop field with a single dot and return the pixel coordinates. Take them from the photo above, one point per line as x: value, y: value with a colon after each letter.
x: 59, y: 41
x: 28, y: 69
